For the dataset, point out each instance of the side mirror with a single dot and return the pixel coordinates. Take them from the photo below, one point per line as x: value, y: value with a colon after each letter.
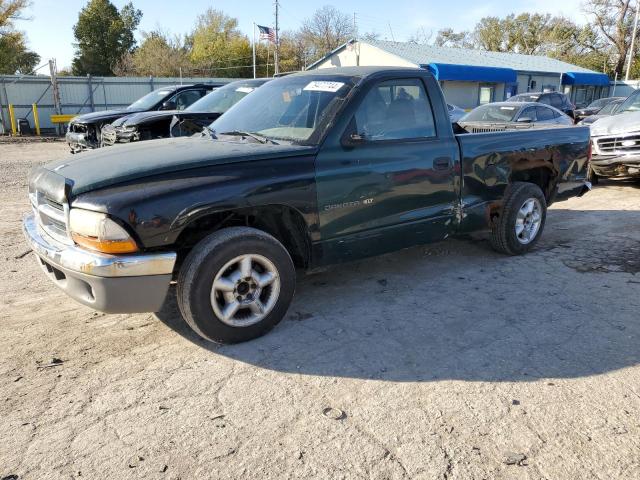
x: 168, y: 105
x: 351, y: 138
x: 525, y: 120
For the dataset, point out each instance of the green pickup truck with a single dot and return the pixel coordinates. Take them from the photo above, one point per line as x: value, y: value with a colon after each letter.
x: 312, y: 169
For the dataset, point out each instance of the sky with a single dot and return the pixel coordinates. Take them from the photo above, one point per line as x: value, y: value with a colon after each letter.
x: 50, y: 30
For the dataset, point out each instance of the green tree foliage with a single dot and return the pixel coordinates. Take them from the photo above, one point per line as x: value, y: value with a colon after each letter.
x: 15, y: 57
x: 218, y: 46
x: 103, y: 35
x: 159, y: 55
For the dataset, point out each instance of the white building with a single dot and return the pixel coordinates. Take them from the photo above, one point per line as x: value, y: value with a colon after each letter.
x: 472, y: 77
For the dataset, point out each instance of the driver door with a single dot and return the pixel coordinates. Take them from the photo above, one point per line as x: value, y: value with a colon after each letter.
x: 395, y: 187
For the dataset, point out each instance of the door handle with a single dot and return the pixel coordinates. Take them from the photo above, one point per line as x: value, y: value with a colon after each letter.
x: 442, y: 163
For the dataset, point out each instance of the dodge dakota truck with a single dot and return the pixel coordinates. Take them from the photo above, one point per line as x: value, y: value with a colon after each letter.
x: 312, y: 169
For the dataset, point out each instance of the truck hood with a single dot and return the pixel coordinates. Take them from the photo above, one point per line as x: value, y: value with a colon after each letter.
x: 101, y: 116
x: 105, y: 167
x: 616, y: 124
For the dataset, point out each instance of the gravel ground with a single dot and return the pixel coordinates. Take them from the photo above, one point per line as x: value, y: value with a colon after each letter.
x: 447, y: 361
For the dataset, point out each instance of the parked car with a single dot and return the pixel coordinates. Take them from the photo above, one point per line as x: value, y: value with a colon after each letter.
x: 555, y: 99
x: 176, y: 123
x: 84, y: 131
x: 455, y: 113
x: 312, y: 169
x: 616, y: 141
x: 594, y: 107
x: 513, y: 115
x: 609, y: 109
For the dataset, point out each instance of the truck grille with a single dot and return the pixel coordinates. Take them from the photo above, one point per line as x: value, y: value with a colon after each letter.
x: 52, y: 217
x: 621, y: 144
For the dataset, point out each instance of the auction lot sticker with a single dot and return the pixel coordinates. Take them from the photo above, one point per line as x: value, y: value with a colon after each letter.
x: 323, y: 86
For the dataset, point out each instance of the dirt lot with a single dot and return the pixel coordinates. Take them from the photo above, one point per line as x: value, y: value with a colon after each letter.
x: 448, y: 361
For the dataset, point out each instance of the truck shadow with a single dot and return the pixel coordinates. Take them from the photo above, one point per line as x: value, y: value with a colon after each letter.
x: 457, y: 310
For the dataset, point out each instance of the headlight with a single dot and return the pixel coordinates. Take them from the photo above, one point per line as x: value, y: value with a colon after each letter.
x: 130, y: 128
x: 96, y: 231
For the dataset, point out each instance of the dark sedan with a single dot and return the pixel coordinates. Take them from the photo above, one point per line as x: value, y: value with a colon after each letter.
x: 595, y: 107
x: 85, y: 131
x: 177, y: 123
x: 555, y: 99
x: 609, y: 109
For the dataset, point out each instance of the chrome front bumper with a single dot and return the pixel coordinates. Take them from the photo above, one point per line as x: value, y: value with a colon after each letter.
x: 110, y: 283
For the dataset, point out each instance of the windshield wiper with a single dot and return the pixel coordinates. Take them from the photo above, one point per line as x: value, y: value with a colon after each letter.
x: 255, y: 136
x: 209, y: 131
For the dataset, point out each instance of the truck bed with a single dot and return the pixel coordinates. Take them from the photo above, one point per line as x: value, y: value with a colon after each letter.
x: 490, y: 161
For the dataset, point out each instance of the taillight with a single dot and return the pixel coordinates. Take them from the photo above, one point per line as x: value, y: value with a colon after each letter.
x: 589, y: 152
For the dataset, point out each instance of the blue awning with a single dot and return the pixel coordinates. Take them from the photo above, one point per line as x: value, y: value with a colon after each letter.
x: 585, y: 78
x: 472, y: 73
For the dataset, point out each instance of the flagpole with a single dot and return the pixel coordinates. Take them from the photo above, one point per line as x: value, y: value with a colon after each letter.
x: 254, y: 49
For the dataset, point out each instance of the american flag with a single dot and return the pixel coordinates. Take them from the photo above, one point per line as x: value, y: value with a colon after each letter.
x: 267, y: 33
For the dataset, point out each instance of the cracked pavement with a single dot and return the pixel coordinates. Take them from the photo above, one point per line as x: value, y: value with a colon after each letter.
x: 445, y: 361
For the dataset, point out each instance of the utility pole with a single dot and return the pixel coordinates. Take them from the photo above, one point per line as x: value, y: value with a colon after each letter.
x: 633, y: 41
x: 277, y: 54
x: 53, y: 71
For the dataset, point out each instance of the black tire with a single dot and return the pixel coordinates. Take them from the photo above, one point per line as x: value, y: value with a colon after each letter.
x: 503, y: 234
x: 593, y: 177
x: 207, y: 258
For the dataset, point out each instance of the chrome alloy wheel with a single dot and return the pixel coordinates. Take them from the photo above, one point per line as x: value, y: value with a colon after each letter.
x: 528, y: 220
x: 245, y: 290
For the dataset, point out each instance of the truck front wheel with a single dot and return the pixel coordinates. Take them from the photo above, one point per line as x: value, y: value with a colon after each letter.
x: 235, y: 285
x: 519, y: 226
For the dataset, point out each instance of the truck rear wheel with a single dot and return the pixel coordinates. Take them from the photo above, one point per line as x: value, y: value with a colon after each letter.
x: 521, y: 221
x: 235, y: 285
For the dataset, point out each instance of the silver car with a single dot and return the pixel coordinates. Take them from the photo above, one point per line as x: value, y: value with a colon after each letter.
x: 512, y: 116
x: 455, y: 112
x: 616, y: 142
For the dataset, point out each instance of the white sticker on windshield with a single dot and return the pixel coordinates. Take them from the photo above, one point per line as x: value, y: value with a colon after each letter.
x: 245, y: 89
x: 510, y: 109
x: 323, y: 86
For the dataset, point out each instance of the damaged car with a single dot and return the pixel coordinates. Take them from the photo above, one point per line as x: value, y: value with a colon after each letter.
x: 84, y: 132
x: 178, y: 123
x: 616, y: 142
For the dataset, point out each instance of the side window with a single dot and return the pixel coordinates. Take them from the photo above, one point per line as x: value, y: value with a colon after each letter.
x: 395, y: 110
x: 529, y: 112
x: 544, y: 113
x: 545, y: 99
x: 186, y: 98
x: 556, y: 101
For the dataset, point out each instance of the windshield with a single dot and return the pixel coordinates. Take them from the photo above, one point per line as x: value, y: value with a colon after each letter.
x: 222, y: 99
x: 492, y: 113
x: 525, y: 98
x: 149, y: 100
x: 598, y: 103
x: 609, y: 108
x: 631, y: 104
x: 293, y: 108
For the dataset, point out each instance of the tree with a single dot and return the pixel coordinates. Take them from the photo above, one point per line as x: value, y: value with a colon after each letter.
x: 159, y: 55
x: 15, y: 57
x: 103, y: 36
x: 326, y: 30
x: 614, y: 21
x: 448, y: 38
x: 218, y: 46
